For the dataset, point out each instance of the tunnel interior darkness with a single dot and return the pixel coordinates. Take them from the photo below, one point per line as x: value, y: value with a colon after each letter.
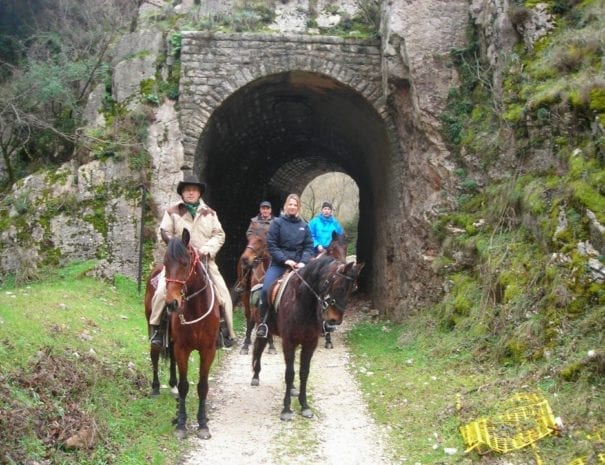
x: 274, y: 136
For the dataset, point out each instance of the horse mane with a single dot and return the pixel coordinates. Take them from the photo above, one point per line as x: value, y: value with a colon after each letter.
x: 177, y: 250
x: 340, y: 238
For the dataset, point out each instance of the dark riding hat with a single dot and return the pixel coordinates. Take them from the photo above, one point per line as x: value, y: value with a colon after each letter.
x: 190, y: 180
x: 326, y: 204
x: 264, y: 203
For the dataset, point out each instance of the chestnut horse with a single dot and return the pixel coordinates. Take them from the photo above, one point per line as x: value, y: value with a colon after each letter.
x: 193, y: 324
x: 251, y: 268
x: 316, y: 293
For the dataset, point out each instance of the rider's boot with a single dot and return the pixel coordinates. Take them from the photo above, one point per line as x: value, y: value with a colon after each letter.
x: 224, y: 339
x: 157, y: 338
x: 262, y: 330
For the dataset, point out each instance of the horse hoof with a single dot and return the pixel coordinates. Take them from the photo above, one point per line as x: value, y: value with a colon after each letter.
x: 155, y: 392
x: 307, y: 413
x: 294, y: 392
x: 329, y: 345
x: 180, y: 434
x: 203, y: 433
x: 287, y: 416
x: 243, y: 351
x: 272, y: 351
x: 254, y: 382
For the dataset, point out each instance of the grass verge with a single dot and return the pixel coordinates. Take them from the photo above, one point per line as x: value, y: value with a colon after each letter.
x: 74, y: 365
x: 422, y: 383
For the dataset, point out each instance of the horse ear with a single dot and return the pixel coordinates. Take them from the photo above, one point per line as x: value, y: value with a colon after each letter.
x: 359, y: 267
x: 165, y: 236
x: 186, y: 237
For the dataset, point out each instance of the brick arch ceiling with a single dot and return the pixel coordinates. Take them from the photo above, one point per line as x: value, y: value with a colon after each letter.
x: 278, y: 133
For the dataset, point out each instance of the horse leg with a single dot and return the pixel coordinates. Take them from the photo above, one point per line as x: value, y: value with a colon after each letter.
x: 257, y: 353
x: 182, y: 361
x: 286, y: 413
x: 154, y: 354
x: 249, y: 324
x: 327, y: 333
x: 306, y: 353
x: 328, y: 344
x: 272, y: 349
x: 173, y: 379
x: 206, y: 358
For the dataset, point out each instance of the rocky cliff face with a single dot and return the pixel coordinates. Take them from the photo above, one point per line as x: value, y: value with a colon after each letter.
x: 417, y: 37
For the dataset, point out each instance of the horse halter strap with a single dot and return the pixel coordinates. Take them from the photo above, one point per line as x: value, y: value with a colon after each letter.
x: 252, y: 248
x: 257, y: 258
x: 195, y: 261
x: 326, y: 301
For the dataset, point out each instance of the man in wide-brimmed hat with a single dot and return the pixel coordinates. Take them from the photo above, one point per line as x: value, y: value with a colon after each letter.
x: 207, y: 236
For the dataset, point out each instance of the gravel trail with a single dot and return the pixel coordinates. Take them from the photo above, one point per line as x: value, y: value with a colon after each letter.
x: 245, y: 424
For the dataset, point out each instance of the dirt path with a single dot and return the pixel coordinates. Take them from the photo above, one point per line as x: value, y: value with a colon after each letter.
x: 245, y: 424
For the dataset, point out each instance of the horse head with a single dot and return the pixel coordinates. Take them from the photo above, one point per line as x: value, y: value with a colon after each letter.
x: 180, y: 263
x: 336, y: 289
x: 255, y: 252
x: 337, y: 247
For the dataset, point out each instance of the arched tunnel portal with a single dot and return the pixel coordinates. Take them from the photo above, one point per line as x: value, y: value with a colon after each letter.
x: 276, y: 134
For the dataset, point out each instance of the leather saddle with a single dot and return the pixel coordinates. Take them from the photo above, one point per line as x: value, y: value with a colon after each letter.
x: 277, y: 290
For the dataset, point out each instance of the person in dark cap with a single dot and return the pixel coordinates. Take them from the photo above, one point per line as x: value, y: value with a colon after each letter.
x: 207, y: 236
x: 322, y: 227
x: 259, y: 225
x: 261, y: 222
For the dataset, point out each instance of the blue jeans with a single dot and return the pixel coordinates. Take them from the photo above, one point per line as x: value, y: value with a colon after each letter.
x: 273, y: 274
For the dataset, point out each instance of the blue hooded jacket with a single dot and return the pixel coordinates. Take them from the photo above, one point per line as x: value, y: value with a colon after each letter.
x: 322, y: 228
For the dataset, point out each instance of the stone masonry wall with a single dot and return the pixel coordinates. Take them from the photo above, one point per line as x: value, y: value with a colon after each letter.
x: 216, y: 65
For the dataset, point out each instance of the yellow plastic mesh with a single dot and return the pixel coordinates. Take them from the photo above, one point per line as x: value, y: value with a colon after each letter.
x: 527, y: 417
x: 597, y: 437
x: 584, y: 461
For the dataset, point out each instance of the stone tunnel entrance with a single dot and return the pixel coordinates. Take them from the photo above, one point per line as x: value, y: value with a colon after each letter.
x: 275, y: 135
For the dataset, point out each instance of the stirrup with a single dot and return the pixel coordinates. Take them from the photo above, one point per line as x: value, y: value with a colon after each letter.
x: 156, y: 338
x: 262, y: 330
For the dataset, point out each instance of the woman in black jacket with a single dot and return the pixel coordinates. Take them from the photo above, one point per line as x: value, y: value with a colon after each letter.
x: 290, y: 244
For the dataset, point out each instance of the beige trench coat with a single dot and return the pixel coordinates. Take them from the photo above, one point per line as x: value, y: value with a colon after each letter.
x: 207, y: 236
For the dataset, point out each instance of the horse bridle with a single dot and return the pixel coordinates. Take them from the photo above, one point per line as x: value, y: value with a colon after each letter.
x: 255, y: 262
x: 326, y: 300
x: 257, y: 258
x: 192, y: 270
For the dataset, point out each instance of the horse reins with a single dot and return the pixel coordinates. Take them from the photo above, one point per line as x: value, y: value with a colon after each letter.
x: 325, y: 301
x: 254, y: 266
x: 196, y: 261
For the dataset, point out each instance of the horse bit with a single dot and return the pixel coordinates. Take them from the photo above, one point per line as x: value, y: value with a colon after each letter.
x: 196, y: 260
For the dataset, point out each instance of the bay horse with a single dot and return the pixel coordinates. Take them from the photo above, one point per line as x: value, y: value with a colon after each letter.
x: 337, y: 247
x: 338, y: 250
x: 251, y: 268
x: 316, y: 293
x: 193, y: 323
